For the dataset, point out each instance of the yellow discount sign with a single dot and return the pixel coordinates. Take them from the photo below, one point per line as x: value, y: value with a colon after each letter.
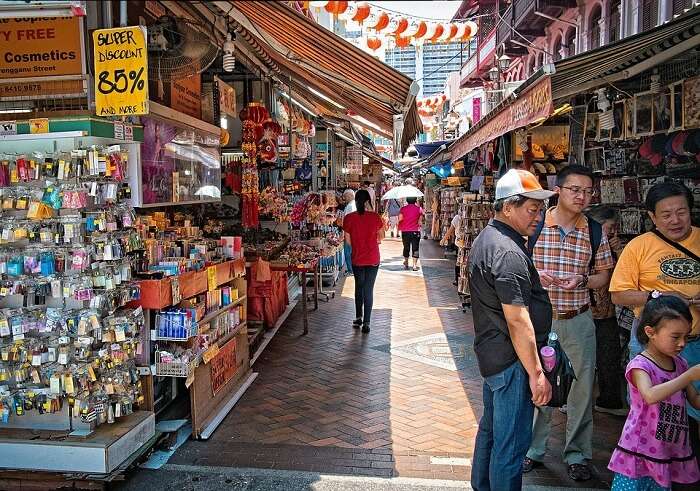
x: 121, y: 71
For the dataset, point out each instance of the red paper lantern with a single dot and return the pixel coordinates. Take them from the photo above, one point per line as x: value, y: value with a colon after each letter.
x: 382, y: 22
x: 363, y: 12
x: 402, y: 42
x: 453, y: 31
x: 374, y: 43
x: 439, y: 30
x: 403, y: 25
x: 422, y: 30
x: 419, y: 103
x: 444, y: 97
x: 336, y: 7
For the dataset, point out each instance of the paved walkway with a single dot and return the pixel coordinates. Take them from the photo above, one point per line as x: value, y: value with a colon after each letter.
x: 402, y: 401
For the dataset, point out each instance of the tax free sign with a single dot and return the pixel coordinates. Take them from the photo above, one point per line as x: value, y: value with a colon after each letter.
x: 121, y: 71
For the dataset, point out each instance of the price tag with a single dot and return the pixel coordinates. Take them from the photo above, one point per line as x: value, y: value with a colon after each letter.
x: 210, y: 353
x: 128, y: 132
x: 39, y: 125
x: 211, y: 278
x: 121, y: 71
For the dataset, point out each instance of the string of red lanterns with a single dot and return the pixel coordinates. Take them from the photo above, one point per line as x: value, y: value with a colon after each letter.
x: 405, y: 29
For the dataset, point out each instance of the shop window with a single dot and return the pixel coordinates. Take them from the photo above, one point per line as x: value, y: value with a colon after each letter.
x: 614, y: 22
x: 594, y: 28
x: 649, y: 13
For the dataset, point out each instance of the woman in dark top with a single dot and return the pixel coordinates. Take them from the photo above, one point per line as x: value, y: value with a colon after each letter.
x: 364, y: 230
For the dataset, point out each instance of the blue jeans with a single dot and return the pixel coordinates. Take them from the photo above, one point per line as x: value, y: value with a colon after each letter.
x: 347, y: 249
x: 505, y: 431
x: 691, y: 354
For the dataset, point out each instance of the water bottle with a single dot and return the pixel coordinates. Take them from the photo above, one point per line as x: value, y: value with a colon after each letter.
x: 552, y: 339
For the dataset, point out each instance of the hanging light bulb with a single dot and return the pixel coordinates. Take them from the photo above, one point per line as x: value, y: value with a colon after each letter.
x: 229, y: 58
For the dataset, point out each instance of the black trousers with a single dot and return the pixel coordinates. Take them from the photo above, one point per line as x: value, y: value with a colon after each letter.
x: 365, y: 276
x: 609, y: 368
x: 411, y: 240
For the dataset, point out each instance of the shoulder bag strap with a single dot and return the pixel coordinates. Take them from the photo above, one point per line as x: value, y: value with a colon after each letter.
x: 675, y: 244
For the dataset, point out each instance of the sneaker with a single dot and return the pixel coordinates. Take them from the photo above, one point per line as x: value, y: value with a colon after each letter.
x: 365, y: 328
x: 357, y: 323
x: 529, y: 464
x: 623, y: 411
x: 392, y: 235
x: 579, y: 472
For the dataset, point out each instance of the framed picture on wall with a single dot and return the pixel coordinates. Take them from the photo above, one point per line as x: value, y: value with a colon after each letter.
x: 691, y: 103
x: 591, y: 126
x: 663, y: 111
x: 643, y: 114
x: 618, y: 132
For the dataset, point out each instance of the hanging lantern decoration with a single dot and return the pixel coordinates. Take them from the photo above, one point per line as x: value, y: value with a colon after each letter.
x: 383, y: 22
x: 443, y: 97
x: 397, y: 25
x: 411, y: 28
x: 363, y: 11
x: 224, y: 137
x: 419, y: 103
x: 453, y: 31
x: 402, y: 42
x: 252, y: 117
x: 439, y: 29
x: 461, y: 30
x: 422, y: 30
x: 336, y: 8
x: 374, y: 43
x: 470, y: 30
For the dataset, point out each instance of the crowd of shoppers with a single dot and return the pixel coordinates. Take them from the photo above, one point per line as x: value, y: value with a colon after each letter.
x: 531, y: 273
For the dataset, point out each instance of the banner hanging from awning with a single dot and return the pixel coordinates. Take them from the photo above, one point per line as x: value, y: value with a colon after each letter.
x: 533, y: 104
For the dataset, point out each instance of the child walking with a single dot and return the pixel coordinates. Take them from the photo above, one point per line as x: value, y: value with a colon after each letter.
x: 654, y: 449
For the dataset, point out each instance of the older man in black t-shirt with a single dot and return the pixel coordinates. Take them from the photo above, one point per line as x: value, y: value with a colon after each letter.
x: 512, y: 319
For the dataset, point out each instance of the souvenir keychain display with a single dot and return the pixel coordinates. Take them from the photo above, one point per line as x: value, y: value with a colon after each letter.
x: 67, y: 255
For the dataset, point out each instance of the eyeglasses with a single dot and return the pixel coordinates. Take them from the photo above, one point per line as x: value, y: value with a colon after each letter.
x: 575, y: 190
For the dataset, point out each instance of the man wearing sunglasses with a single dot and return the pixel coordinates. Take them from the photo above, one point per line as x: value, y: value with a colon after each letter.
x: 564, y: 256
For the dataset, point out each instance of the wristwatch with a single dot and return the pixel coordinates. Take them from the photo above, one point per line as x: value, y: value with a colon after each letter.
x: 584, y: 281
x: 653, y: 294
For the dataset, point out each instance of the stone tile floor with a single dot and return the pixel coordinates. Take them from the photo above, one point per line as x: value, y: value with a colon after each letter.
x: 403, y: 400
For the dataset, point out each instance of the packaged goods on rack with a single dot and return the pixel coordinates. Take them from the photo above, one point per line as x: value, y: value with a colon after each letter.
x: 475, y: 215
x: 448, y: 207
x: 66, y: 264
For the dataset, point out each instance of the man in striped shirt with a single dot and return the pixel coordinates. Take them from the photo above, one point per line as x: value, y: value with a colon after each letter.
x: 562, y: 255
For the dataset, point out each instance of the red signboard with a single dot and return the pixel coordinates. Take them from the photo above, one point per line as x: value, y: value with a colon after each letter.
x: 533, y: 104
x: 476, y: 110
x: 223, y: 366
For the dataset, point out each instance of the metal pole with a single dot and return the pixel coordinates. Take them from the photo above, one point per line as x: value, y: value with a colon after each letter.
x: 122, y: 13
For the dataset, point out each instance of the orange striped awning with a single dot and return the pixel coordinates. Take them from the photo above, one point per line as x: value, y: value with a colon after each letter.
x: 313, y: 57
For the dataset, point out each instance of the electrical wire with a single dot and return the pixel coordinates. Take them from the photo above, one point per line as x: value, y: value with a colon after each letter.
x: 427, y: 18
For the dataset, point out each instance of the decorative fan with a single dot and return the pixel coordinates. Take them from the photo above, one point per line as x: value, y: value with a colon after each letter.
x: 178, y: 48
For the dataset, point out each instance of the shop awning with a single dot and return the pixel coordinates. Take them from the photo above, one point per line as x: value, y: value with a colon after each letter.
x: 626, y: 58
x: 533, y: 100
x: 314, y: 60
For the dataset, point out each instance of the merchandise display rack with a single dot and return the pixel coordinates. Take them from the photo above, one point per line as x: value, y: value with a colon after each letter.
x: 66, y: 190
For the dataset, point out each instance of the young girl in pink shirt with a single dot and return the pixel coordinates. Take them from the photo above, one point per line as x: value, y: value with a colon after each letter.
x: 654, y: 449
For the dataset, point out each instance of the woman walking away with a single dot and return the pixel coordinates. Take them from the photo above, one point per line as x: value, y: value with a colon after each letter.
x: 364, y: 230
x: 654, y: 450
x: 410, y: 218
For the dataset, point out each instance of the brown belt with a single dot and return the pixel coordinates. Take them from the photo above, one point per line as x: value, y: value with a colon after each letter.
x: 569, y: 314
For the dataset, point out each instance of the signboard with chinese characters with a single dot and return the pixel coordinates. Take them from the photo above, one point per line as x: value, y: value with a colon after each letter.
x: 121, y: 71
x: 223, y: 366
x: 227, y: 98
x: 353, y: 159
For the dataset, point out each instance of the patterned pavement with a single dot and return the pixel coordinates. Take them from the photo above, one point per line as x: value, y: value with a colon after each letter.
x: 403, y: 400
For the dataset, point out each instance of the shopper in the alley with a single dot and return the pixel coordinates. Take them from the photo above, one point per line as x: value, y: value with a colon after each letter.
x: 512, y: 319
x: 664, y: 262
x: 572, y: 256
x: 410, y: 224
x: 364, y: 230
x: 349, y: 200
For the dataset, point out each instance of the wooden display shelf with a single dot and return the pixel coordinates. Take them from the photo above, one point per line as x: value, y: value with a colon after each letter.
x: 158, y: 294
